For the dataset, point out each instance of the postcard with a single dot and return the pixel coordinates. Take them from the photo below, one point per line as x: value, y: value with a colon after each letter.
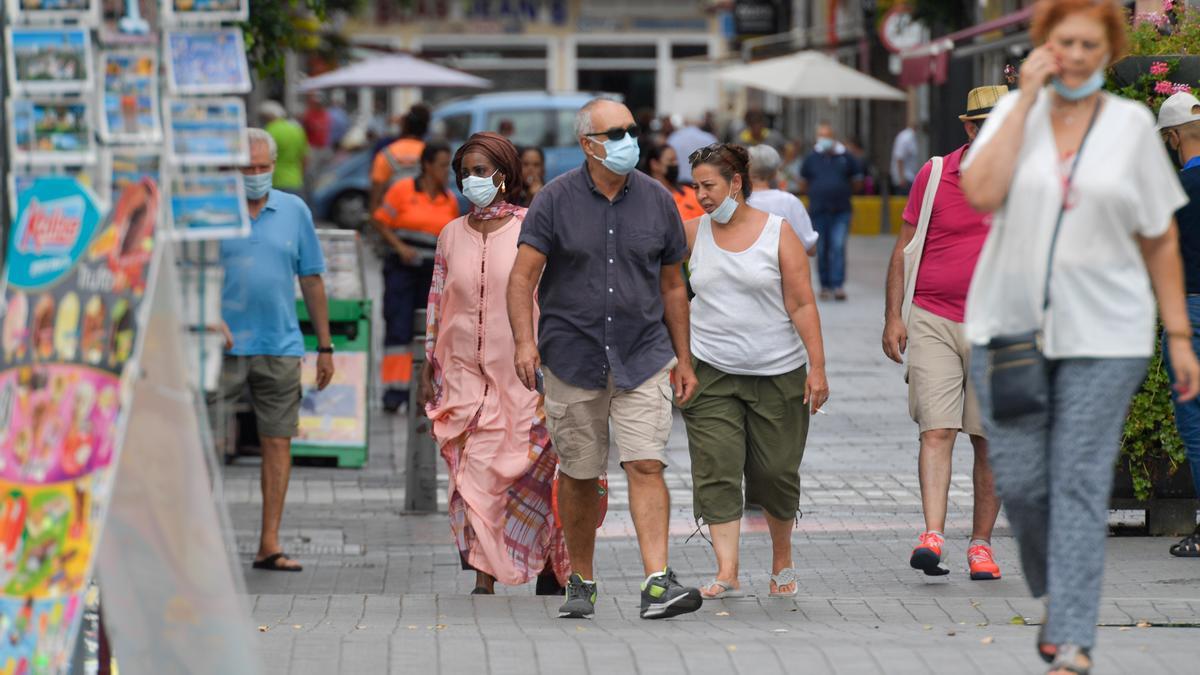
x: 83, y: 11
x: 50, y: 131
x: 125, y: 166
x: 130, y: 112
x: 49, y: 60
x: 176, y: 12
x: 207, y: 62
x: 207, y: 131
x: 208, y: 205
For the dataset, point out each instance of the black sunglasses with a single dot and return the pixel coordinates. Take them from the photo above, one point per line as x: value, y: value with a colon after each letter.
x: 617, y: 133
x: 705, y: 153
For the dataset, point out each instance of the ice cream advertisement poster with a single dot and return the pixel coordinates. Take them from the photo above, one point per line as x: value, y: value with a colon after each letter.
x: 68, y: 343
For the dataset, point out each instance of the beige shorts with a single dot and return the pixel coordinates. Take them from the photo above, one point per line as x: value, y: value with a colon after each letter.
x: 578, y: 420
x: 940, y: 394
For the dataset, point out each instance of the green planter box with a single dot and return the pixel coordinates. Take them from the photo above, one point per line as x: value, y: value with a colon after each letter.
x: 335, y: 423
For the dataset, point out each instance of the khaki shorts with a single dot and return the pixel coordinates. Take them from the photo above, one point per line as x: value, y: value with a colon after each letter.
x: 578, y: 420
x: 274, y: 391
x: 940, y: 394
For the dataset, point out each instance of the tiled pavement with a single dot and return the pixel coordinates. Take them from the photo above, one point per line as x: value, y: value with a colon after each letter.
x: 382, y: 590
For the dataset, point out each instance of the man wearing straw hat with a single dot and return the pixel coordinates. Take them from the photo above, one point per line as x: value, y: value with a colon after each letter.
x: 927, y: 283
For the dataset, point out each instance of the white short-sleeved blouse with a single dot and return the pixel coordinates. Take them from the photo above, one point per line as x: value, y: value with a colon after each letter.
x: 1101, y: 303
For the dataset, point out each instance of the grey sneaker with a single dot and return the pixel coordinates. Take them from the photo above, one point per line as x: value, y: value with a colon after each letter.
x: 663, y: 596
x: 581, y: 599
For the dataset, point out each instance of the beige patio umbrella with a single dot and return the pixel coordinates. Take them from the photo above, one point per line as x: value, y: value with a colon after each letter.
x: 809, y: 75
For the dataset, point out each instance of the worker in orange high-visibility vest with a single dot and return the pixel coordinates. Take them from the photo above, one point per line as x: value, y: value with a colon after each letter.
x: 409, y: 219
x: 401, y: 158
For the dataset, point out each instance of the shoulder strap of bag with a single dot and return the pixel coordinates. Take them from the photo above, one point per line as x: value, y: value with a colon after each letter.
x: 1062, y: 207
x: 915, y: 248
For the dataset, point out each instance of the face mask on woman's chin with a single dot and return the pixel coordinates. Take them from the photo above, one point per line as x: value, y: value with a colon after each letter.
x: 725, y: 210
x: 1089, y: 86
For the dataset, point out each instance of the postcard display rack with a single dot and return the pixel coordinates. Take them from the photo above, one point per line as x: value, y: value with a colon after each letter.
x: 121, y: 126
x: 334, y: 423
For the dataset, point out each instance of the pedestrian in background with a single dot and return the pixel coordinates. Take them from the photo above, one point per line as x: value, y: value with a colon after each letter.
x: 490, y: 429
x: 401, y: 158
x: 606, y: 243
x: 409, y: 220
x: 829, y: 176
x: 662, y: 164
x: 291, y: 145
x: 533, y: 173
x: 686, y: 138
x: 263, y: 344
x: 758, y: 133
x: 905, y: 161
x: 926, y: 298
x: 1179, y: 124
x: 759, y: 359
x: 1061, y: 311
x: 764, y: 196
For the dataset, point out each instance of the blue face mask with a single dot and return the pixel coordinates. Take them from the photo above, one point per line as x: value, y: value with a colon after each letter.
x: 1091, y: 86
x: 824, y: 144
x: 621, y: 156
x: 258, y: 185
x: 723, y: 213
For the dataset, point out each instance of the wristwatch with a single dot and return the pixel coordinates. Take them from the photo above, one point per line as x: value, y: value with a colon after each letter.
x: 325, y: 350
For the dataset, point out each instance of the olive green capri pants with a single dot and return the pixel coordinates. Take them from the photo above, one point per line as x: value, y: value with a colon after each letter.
x: 751, y: 425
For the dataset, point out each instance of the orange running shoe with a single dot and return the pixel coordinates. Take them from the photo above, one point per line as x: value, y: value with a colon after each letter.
x: 983, y: 565
x: 927, y: 556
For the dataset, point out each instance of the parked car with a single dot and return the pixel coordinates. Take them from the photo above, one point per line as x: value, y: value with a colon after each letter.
x: 542, y: 119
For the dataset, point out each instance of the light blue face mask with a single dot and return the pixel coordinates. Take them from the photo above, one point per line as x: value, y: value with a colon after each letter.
x: 621, y: 156
x: 480, y: 191
x: 824, y: 144
x: 1091, y: 86
x: 723, y: 213
x: 258, y: 185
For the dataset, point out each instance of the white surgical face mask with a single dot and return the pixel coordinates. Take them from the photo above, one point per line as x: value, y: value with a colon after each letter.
x: 725, y: 211
x: 480, y: 191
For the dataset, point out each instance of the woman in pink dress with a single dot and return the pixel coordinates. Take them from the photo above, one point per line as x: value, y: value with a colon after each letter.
x: 490, y: 429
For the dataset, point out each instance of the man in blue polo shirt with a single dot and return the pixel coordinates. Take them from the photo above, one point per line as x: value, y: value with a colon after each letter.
x: 262, y: 334
x: 829, y: 176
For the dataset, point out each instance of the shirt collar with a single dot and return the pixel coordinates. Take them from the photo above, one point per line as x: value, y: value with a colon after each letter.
x: 954, y: 159
x: 271, y: 205
x: 1192, y: 163
x: 587, y: 175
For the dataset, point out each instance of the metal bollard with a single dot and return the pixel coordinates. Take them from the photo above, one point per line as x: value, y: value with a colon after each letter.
x: 420, y: 492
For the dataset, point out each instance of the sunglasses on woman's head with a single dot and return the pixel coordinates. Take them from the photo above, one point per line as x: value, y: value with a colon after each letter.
x: 617, y: 133
x: 705, y: 153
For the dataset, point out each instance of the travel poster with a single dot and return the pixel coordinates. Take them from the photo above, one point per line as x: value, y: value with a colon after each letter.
x: 130, y: 113
x: 207, y: 132
x: 205, y: 11
x: 122, y: 167
x: 53, y: 11
x: 49, y: 60
x: 338, y: 414
x: 75, y: 285
x: 207, y: 62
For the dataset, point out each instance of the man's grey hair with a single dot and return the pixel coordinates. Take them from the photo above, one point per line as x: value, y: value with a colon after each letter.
x: 583, y: 118
x: 272, y: 110
x: 764, y: 162
x: 261, y: 137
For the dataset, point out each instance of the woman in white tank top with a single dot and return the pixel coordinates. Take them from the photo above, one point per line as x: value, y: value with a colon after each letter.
x: 758, y: 355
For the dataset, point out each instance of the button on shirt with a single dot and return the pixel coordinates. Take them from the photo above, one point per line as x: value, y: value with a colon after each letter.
x: 258, y: 298
x: 600, y: 299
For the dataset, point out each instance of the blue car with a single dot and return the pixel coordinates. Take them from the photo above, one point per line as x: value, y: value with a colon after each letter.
x: 536, y: 118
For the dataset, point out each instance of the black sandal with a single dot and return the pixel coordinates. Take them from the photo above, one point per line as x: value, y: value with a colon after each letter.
x: 1068, y: 660
x: 271, y: 564
x: 1189, y: 546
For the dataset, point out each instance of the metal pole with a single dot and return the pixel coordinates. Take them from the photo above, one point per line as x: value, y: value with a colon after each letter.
x: 420, y: 474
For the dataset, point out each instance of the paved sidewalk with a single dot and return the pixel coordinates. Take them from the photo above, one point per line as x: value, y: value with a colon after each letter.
x: 383, y: 592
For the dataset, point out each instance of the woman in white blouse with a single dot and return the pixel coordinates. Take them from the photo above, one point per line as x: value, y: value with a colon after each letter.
x: 1095, y: 158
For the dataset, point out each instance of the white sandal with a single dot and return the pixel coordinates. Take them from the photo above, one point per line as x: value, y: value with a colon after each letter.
x: 727, y: 590
x: 786, y: 576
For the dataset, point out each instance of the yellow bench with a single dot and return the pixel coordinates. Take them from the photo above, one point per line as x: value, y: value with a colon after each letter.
x: 867, y: 214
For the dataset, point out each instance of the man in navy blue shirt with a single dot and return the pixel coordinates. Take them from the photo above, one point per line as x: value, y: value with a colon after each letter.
x: 1179, y: 123
x: 263, y: 343
x: 829, y: 175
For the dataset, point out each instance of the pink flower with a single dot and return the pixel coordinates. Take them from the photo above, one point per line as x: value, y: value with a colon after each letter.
x: 1156, y: 18
x: 1168, y: 5
x: 1159, y: 68
x: 1164, y: 87
x: 1175, y: 89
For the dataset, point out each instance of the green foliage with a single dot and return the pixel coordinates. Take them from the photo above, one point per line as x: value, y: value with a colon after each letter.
x: 1150, y: 434
x: 1151, y: 439
x: 279, y: 26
